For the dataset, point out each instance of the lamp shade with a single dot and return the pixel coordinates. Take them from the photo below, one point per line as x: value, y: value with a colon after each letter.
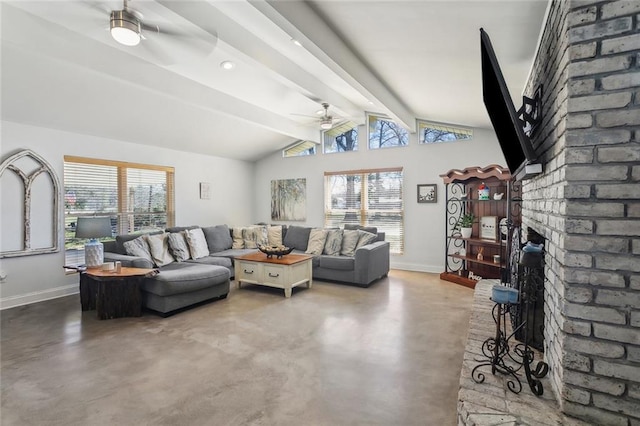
x: 93, y: 227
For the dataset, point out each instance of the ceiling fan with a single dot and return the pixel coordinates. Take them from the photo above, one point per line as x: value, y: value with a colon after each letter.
x: 151, y: 30
x: 326, y: 120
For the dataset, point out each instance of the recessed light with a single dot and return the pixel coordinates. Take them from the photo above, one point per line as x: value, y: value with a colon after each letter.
x: 227, y: 65
x: 370, y: 102
x: 296, y: 42
x: 320, y: 112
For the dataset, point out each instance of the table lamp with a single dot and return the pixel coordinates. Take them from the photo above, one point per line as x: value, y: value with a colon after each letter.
x: 93, y: 228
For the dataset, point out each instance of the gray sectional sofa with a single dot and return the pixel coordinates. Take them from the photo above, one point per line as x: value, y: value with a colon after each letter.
x: 181, y: 284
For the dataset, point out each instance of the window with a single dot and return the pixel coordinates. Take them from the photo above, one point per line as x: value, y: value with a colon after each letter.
x: 368, y: 198
x: 300, y: 149
x: 137, y: 198
x: 341, y: 138
x: 384, y: 133
x: 434, y: 132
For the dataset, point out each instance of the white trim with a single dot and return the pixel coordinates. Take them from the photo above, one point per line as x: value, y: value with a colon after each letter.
x: 417, y: 267
x: 540, y: 34
x: 38, y: 296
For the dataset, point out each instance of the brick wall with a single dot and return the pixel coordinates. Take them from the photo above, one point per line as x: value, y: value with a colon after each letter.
x: 587, y: 205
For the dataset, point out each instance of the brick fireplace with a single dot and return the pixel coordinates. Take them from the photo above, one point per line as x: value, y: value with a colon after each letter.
x: 587, y: 206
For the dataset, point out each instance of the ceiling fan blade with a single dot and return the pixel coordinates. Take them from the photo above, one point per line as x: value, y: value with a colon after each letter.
x: 304, y: 115
x: 183, y: 46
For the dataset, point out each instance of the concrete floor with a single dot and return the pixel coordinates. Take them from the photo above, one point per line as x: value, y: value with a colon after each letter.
x: 331, y: 355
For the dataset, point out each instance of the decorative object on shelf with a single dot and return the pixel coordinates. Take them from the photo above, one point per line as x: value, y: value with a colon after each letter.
x: 427, y: 193
x: 465, y: 225
x: 277, y: 251
x: 496, y: 258
x: 480, y: 255
x: 205, y: 190
x: 93, y: 228
x: 498, y: 196
x: 489, y: 227
x: 483, y: 192
x: 474, y: 277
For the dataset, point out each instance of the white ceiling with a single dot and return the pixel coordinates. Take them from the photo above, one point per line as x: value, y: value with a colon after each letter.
x: 405, y: 59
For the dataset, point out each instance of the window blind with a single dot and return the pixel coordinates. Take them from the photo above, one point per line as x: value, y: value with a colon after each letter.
x: 137, y: 198
x: 368, y: 198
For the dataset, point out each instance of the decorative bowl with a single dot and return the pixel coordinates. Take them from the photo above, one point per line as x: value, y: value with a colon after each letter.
x: 277, y: 251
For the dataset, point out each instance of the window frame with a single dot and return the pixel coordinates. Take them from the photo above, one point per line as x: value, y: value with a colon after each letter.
x: 352, y: 126
x: 121, y: 190
x: 297, y: 144
x: 364, y: 212
x: 421, y: 124
x: 382, y: 117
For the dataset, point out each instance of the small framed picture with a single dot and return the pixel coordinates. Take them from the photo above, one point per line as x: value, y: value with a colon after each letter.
x: 428, y: 193
x: 205, y: 190
x: 489, y: 227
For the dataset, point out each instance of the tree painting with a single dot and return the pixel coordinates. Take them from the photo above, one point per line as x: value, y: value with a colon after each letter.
x: 289, y: 199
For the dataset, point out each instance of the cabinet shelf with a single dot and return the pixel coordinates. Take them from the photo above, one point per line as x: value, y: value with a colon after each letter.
x: 475, y: 260
x: 479, y: 241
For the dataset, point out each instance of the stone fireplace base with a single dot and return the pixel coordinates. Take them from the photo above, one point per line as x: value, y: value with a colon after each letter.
x: 491, y: 402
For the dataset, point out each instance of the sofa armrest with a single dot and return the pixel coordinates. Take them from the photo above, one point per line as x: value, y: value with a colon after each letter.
x: 372, y: 262
x: 128, y: 261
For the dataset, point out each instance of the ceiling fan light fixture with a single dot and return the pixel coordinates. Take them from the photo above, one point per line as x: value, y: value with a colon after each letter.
x: 326, y: 123
x: 125, y: 28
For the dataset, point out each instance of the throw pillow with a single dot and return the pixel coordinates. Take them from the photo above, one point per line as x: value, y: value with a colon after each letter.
x: 178, y: 246
x: 274, y: 235
x: 365, y: 238
x: 333, y: 244
x: 254, y: 236
x: 350, y: 239
x: 218, y: 238
x: 138, y: 247
x: 238, y: 241
x: 197, y: 243
x: 159, y: 249
x: 297, y: 237
x: 317, y: 238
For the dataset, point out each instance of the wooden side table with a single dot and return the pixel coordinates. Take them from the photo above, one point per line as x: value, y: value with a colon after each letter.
x: 113, y: 294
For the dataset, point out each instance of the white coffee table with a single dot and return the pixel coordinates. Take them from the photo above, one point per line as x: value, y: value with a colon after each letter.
x: 287, y: 272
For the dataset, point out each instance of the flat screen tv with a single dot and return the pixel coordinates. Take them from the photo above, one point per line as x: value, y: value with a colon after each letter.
x: 516, y: 146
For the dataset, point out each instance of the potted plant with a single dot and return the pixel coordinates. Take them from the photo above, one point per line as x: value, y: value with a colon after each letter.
x: 465, y: 224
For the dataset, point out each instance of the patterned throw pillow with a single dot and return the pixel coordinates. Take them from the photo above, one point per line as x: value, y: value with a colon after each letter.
x: 197, y: 243
x: 254, y: 236
x: 274, y: 235
x: 350, y: 239
x: 333, y: 244
x: 138, y: 247
x: 317, y: 238
x: 178, y: 246
x: 159, y: 248
x: 238, y: 241
x: 365, y: 238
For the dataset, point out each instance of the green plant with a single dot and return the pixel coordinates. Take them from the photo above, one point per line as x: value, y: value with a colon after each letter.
x: 465, y: 221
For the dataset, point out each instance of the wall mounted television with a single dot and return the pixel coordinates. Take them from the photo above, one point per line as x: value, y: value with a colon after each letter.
x: 516, y: 146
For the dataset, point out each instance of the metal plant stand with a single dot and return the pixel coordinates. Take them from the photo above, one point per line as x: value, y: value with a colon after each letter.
x: 504, y: 357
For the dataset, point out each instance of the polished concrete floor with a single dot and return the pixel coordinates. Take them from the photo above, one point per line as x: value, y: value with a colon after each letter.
x: 331, y: 355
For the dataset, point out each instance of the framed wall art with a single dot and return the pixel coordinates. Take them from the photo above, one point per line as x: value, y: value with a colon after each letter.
x: 428, y: 193
x: 489, y: 227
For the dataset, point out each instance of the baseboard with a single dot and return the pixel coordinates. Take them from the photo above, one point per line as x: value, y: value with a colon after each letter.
x: 38, y: 296
x: 416, y: 267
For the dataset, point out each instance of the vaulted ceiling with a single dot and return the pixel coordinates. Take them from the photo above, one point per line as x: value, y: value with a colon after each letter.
x: 406, y: 59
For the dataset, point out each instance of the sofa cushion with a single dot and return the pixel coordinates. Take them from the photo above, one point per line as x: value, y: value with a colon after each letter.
x: 197, y: 243
x: 365, y: 238
x: 213, y: 260
x: 333, y: 244
x: 297, y: 237
x: 175, y: 229
x: 178, y: 278
x: 350, y: 239
x: 218, y: 238
x: 343, y: 263
x: 178, y: 246
x: 254, y: 236
x: 159, y: 249
x: 233, y: 253
x: 121, y: 239
x: 317, y: 238
x: 274, y: 235
x: 138, y: 247
x: 371, y: 229
x: 238, y: 241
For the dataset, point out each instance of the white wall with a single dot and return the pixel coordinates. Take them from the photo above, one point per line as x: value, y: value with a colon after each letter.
x: 424, y: 223
x: 39, y: 277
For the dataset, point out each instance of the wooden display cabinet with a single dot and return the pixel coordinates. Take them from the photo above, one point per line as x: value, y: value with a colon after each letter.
x: 493, y: 219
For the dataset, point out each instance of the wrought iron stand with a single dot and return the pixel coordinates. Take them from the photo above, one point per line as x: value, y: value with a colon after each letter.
x: 499, y: 353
